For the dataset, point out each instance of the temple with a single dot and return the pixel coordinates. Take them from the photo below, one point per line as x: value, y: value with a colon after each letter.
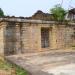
x: 34, y: 34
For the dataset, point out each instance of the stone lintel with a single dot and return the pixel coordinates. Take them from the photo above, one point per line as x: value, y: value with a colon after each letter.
x: 26, y: 20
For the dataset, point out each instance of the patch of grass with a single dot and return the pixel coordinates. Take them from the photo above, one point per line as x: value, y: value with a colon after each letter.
x: 20, y: 71
x: 7, y: 66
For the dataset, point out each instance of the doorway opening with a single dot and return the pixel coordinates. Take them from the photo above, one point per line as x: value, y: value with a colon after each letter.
x: 44, y: 37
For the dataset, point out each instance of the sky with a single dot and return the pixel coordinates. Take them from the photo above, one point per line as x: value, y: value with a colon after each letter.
x: 27, y: 8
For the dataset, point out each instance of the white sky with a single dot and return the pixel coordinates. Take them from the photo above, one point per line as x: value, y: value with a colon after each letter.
x: 29, y: 7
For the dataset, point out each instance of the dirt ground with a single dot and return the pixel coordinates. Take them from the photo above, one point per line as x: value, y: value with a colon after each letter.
x: 48, y: 63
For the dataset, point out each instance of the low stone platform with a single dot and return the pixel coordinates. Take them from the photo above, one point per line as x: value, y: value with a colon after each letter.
x: 46, y: 63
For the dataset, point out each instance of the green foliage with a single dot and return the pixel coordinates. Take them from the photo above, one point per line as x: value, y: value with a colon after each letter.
x: 20, y: 71
x: 7, y: 66
x: 1, y: 13
x: 58, y: 13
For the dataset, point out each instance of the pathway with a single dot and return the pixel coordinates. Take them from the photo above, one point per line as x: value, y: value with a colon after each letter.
x: 44, y: 63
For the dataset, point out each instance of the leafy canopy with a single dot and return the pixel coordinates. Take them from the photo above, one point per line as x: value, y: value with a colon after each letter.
x: 1, y: 13
x: 58, y: 12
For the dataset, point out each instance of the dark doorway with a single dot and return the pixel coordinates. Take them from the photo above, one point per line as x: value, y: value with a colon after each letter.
x: 44, y: 37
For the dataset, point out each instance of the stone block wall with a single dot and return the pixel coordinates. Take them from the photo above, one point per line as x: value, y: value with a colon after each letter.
x: 12, y: 38
x: 25, y: 37
x: 64, y: 36
x: 36, y: 37
x: 60, y: 36
x: 1, y: 40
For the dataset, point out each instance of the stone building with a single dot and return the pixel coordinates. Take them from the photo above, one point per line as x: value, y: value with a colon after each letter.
x: 71, y: 14
x: 34, y: 34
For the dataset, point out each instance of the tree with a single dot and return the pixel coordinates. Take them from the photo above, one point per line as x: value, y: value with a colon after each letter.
x: 58, y: 13
x: 1, y: 13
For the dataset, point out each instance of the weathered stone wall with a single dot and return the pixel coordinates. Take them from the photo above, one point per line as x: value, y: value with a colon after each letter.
x: 68, y: 36
x: 60, y: 36
x: 12, y: 38
x: 36, y: 37
x: 64, y: 36
x: 31, y: 37
x: 61, y: 33
x: 2, y: 27
x: 24, y: 37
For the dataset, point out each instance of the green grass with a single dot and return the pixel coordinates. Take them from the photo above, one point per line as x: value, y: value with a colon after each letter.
x: 7, y: 66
